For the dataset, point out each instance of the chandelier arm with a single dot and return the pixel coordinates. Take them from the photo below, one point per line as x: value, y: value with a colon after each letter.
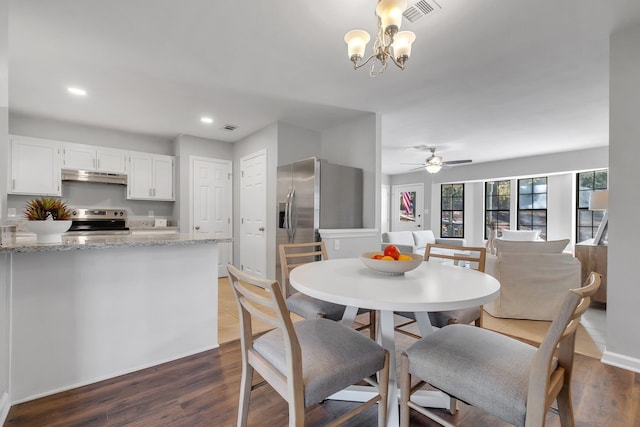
x: 362, y: 64
x: 398, y: 64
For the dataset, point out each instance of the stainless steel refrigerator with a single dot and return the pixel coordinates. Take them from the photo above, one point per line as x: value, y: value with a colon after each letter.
x: 314, y: 194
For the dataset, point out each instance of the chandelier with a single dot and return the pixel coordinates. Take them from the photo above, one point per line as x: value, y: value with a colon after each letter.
x: 391, y: 45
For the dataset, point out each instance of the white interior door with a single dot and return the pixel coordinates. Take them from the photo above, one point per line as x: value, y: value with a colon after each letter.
x: 253, y: 211
x: 386, y: 210
x: 211, y: 210
x: 407, y: 207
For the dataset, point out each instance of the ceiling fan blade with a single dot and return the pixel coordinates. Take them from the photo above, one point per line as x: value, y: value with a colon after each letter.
x: 457, y: 162
x: 409, y: 164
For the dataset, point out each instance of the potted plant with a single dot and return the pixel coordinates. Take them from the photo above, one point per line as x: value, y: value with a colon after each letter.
x: 48, y: 218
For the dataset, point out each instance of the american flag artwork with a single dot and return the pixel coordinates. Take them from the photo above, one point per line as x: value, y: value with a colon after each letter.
x: 407, y: 212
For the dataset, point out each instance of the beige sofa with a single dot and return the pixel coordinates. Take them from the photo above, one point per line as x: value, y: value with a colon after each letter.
x: 415, y: 241
x: 534, y: 278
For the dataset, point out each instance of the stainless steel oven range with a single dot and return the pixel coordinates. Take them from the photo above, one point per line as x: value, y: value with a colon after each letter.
x: 98, y: 222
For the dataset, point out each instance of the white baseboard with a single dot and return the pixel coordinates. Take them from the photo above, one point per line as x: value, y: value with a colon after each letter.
x: 4, y: 407
x: 621, y: 361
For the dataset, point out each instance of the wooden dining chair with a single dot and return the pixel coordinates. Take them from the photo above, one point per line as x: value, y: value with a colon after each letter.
x: 514, y: 381
x: 293, y: 255
x: 476, y: 256
x: 306, y: 361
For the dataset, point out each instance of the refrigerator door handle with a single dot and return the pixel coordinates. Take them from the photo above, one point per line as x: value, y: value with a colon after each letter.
x: 292, y: 225
x: 285, y: 222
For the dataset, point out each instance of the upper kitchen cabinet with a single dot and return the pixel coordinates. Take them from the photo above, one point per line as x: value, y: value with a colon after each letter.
x: 35, y: 166
x: 150, y: 176
x: 92, y: 158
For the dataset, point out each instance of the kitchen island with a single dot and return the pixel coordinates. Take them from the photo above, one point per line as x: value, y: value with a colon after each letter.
x: 95, y: 308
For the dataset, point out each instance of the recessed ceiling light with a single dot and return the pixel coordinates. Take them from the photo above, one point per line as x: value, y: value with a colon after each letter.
x: 206, y: 120
x: 77, y: 91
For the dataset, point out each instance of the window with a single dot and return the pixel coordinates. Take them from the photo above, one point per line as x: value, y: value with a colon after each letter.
x: 497, y: 201
x: 452, y: 210
x: 532, y: 205
x: 587, y: 222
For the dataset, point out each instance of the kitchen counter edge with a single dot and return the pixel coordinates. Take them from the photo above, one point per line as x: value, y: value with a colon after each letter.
x: 78, y: 243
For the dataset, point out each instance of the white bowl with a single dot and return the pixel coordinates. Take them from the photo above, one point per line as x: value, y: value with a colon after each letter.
x: 48, y: 231
x: 392, y: 268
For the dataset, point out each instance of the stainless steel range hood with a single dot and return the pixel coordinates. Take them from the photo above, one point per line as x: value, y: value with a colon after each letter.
x: 92, y: 176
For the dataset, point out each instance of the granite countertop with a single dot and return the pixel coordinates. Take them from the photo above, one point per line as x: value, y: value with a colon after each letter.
x: 71, y: 243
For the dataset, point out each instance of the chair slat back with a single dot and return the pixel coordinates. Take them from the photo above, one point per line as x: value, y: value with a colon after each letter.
x: 560, y: 336
x: 261, y: 299
x: 295, y: 254
x: 476, y: 255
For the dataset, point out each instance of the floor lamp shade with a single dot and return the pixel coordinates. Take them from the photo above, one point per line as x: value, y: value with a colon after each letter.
x: 599, y: 201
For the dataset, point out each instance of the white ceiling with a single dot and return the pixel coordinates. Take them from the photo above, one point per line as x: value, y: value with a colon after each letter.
x: 487, y: 80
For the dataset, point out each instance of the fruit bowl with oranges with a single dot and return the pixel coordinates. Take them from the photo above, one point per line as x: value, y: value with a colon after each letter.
x: 391, y: 261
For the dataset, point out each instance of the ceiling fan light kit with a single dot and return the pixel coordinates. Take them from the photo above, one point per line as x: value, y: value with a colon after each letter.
x: 390, y: 45
x: 434, y: 164
x: 433, y: 168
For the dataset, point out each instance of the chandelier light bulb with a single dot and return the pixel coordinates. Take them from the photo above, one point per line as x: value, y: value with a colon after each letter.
x: 402, y: 45
x: 390, y: 13
x: 357, y: 43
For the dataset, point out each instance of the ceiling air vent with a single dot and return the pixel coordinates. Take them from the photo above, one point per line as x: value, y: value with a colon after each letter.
x: 420, y: 8
x: 229, y: 128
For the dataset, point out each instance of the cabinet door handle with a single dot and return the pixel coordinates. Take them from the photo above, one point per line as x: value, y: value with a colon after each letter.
x: 14, y: 183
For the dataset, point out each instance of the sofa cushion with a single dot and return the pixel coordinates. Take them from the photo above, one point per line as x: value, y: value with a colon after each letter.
x: 423, y: 237
x: 398, y: 238
x: 549, y: 247
x: 520, y: 235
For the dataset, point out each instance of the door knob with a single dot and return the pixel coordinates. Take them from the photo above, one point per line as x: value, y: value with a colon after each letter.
x: 197, y: 227
x: 261, y: 229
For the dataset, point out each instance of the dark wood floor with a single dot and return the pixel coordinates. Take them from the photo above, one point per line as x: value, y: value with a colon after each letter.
x: 202, y: 390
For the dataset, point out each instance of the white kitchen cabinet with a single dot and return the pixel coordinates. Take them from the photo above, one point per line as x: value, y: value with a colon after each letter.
x: 35, y: 166
x: 93, y: 158
x: 150, y: 176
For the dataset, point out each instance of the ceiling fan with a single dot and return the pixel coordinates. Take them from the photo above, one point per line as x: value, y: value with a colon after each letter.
x: 433, y: 163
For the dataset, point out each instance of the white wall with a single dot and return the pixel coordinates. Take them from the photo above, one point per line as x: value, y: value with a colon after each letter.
x: 296, y: 143
x: 579, y: 160
x: 41, y: 127
x: 4, y: 272
x: 623, y: 289
x: 183, y: 147
x: 356, y: 143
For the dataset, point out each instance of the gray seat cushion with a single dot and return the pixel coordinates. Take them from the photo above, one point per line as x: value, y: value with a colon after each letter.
x: 441, y: 319
x: 333, y: 356
x: 477, y: 366
x: 309, y: 308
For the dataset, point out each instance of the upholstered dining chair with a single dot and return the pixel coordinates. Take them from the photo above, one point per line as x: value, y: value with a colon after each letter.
x: 476, y: 256
x: 295, y: 254
x: 512, y: 380
x: 306, y: 361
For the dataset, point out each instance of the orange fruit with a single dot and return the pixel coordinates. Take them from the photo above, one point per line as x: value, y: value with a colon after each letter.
x: 387, y: 258
x: 404, y: 257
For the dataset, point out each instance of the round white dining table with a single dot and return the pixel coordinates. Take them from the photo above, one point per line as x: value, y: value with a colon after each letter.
x: 433, y: 286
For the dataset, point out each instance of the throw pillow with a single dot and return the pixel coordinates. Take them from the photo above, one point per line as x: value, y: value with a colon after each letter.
x: 423, y: 237
x: 520, y: 235
x: 398, y: 238
x: 550, y: 247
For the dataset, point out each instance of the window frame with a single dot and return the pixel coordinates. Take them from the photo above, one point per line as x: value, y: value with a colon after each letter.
x: 532, y: 210
x: 580, y: 210
x: 487, y: 227
x: 452, y: 210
